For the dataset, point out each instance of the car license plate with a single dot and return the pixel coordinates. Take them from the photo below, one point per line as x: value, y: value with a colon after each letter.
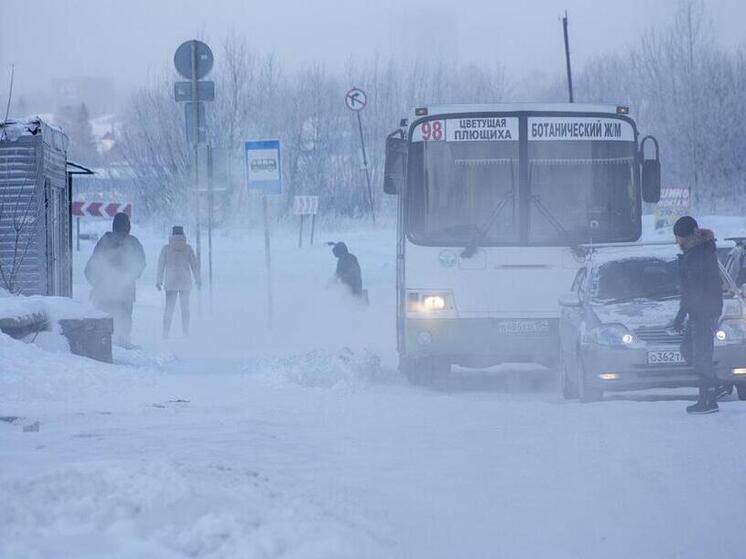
x: 663, y: 357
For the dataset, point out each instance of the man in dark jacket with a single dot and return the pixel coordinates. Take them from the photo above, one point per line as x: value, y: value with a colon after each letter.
x: 348, y: 269
x: 702, y: 303
x: 115, y: 265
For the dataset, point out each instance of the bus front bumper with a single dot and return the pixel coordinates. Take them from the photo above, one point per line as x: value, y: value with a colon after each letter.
x: 482, y: 342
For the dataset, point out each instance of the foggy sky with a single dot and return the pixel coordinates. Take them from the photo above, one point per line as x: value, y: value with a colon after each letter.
x: 129, y: 40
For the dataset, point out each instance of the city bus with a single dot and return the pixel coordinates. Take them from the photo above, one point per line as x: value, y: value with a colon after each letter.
x: 494, y: 202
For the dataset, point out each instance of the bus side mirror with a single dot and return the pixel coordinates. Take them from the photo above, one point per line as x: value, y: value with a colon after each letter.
x: 651, y: 173
x: 395, y: 163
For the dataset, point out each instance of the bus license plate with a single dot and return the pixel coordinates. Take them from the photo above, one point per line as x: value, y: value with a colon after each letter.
x: 523, y: 327
x: 662, y: 357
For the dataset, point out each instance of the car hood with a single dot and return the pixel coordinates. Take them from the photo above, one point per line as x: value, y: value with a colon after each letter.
x: 638, y: 313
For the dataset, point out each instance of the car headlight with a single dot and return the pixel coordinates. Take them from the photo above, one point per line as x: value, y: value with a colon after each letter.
x: 731, y: 331
x: 614, y: 335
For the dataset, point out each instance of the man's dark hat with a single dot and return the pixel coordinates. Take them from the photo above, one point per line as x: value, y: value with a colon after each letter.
x: 177, y: 230
x: 685, y: 226
x: 121, y: 223
x: 340, y: 249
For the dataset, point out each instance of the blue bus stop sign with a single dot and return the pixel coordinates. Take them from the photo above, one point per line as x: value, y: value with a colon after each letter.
x: 263, y: 166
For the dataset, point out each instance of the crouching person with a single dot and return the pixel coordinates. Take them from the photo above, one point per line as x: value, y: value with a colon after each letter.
x: 177, y: 264
x: 348, y: 272
x: 701, y: 306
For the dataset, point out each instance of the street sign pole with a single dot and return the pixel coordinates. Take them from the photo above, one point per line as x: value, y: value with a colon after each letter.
x: 195, y: 155
x: 365, y: 164
x: 264, y: 172
x: 210, y: 209
x: 267, y: 261
x: 356, y: 99
x: 313, y: 227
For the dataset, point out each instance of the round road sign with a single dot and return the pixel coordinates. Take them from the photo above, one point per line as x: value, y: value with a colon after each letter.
x: 183, y: 59
x: 356, y: 99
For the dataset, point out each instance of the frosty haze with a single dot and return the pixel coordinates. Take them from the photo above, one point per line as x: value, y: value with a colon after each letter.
x: 304, y: 441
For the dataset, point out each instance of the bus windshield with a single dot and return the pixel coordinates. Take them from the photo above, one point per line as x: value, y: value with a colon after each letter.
x: 469, y: 186
x: 463, y: 189
x: 582, y: 191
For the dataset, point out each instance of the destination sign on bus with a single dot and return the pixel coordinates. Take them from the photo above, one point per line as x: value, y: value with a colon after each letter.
x: 579, y: 128
x: 472, y: 129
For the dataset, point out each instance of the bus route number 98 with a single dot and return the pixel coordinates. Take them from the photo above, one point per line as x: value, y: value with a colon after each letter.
x: 432, y: 131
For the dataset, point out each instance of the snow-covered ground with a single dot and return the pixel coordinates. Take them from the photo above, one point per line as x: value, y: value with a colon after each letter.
x: 303, y: 442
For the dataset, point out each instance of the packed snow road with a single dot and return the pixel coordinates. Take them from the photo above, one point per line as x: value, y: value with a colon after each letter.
x: 304, y: 441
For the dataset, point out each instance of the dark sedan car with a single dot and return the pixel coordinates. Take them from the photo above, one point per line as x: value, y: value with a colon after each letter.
x: 615, y: 326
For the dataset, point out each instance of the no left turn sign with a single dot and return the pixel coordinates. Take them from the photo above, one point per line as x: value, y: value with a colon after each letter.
x: 356, y: 99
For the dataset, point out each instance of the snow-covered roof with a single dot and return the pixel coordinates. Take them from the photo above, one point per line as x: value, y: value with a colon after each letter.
x: 520, y: 107
x: 605, y: 254
x: 12, y: 130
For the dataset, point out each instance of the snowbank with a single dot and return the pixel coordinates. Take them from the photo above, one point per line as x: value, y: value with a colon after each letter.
x: 33, y: 376
x: 121, y: 509
x: 344, y: 369
x: 53, y: 308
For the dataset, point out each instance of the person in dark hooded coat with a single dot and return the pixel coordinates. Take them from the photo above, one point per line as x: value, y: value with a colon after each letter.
x: 700, y: 307
x: 117, y: 262
x: 348, y: 269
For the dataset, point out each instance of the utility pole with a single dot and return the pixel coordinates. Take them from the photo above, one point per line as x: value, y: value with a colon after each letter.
x: 567, y: 58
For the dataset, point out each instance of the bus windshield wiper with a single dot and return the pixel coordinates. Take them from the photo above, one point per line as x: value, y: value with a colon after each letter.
x: 548, y: 215
x: 481, y: 232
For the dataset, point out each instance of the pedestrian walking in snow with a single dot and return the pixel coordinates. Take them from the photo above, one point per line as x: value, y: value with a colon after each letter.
x: 177, y: 264
x: 348, y: 270
x: 117, y: 262
x: 700, y: 307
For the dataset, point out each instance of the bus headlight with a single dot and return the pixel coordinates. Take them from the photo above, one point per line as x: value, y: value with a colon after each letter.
x: 433, y: 303
x: 429, y: 302
x: 614, y: 335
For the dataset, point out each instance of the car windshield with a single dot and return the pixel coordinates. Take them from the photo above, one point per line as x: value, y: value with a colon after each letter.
x: 636, y: 278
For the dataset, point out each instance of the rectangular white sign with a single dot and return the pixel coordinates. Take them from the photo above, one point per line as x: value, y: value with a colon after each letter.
x: 674, y: 203
x: 263, y: 168
x: 306, y: 205
x: 470, y: 129
x: 562, y: 128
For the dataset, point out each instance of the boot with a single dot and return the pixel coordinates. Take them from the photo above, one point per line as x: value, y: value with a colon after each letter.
x: 707, y: 403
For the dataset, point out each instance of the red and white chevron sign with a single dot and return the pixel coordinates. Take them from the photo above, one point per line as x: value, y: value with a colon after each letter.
x: 306, y: 205
x: 100, y: 209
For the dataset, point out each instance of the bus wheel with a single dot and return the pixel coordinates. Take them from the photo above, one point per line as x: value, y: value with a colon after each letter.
x: 741, y: 389
x: 569, y: 388
x: 587, y: 393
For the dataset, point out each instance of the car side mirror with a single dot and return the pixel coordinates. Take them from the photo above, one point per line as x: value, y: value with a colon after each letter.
x: 651, y: 173
x: 395, y: 164
x: 571, y: 299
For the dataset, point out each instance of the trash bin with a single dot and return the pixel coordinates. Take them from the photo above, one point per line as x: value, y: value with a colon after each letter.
x: 89, y: 337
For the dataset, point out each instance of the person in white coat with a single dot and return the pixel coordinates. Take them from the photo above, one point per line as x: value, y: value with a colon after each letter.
x: 176, y: 266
